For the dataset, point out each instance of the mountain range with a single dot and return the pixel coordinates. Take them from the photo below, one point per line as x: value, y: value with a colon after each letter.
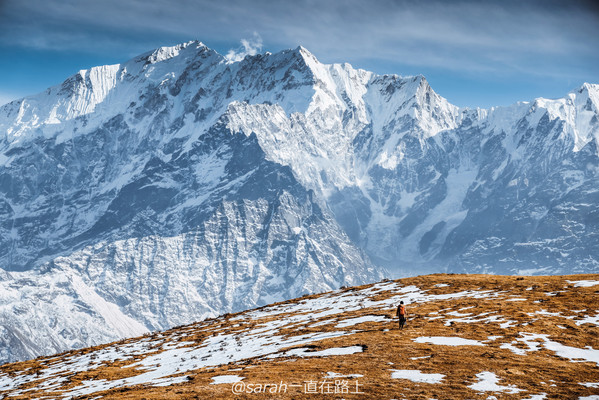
x: 180, y: 185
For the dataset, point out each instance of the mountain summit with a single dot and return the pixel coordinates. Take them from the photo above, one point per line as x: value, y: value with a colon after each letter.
x: 180, y: 185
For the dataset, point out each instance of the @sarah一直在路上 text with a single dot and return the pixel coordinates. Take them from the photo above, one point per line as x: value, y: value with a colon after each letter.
x: 324, y: 386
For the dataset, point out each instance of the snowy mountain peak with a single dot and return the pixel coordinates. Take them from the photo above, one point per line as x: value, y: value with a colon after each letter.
x: 578, y: 111
x: 168, y: 52
x: 589, y: 87
x: 304, y: 52
x: 586, y: 122
x: 587, y: 97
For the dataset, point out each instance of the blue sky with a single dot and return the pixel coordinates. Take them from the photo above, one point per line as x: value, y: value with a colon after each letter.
x: 474, y: 53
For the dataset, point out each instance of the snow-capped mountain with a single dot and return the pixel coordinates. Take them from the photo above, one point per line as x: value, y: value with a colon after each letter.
x: 180, y: 185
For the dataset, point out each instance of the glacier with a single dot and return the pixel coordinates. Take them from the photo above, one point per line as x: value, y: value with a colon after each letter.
x: 180, y: 185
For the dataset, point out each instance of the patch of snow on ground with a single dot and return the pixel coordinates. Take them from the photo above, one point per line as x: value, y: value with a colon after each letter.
x: 458, y: 314
x: 416, y: 376
x: 220, y: 379
x: 529, y: 339
x: 534, y: 341
x: 590, y: 384
x: 335, y: 351
x: 332, y: 375
x: 419, y: 358
x: 588, y: 320
x: 575, y: 354
x: 325, y: 322
x: 434, y: 318
x: 540, y: 396
x: 448, y: 341
x: 514, y: 349
x: 587, y: 283
x: 91, y: 386
x: 507, y: 324
x: 359, y: 320
x: 544, y: 312
x: 487, y: 382
x: 169, y: 381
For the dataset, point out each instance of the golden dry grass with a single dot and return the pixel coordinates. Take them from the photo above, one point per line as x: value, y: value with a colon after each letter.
x: 552, y: 307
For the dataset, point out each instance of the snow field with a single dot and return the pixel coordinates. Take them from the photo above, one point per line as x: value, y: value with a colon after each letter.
x: 488, y: 382
x: 448, y: 341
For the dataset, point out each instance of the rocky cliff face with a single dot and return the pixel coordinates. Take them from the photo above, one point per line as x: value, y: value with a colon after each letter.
x: 179, y: 186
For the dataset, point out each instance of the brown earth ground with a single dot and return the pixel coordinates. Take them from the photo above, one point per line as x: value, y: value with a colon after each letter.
x: 386, y: 348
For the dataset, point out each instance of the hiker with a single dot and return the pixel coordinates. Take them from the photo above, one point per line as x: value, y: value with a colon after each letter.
x: 401, y: 313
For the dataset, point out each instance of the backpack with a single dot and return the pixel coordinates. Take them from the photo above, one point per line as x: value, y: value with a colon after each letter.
x: 401, y: 310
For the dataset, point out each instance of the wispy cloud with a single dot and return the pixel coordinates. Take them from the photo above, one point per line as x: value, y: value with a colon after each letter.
x: 528, y: 37
x: 249, y: 47
x: 540, y: 39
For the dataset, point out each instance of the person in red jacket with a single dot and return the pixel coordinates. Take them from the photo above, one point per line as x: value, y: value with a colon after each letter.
x: 401, y: 313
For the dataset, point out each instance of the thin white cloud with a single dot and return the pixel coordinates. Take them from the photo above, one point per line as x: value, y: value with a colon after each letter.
x: 249, y: 47
x: 466, y: 36
x: 535, y: 37
x: 536, y: 40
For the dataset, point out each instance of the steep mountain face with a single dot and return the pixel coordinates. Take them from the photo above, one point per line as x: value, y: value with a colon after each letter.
x: 257, y: 237
x: 424, y: 186
x: 179, y: 186
x: 507, y: 191
x: 128, y: 205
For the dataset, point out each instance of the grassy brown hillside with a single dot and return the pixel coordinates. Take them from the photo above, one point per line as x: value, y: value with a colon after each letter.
x: 467, y: 337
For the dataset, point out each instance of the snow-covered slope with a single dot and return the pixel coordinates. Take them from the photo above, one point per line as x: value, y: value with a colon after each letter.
x: 466, y: 336
x: 180, y: 185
